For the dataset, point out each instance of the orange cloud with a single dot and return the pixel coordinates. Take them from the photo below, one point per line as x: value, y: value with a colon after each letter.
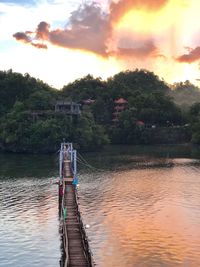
x: 21, y: 36
x: 26, y: 38
x: 144, y: 49
x: 42, y: 31
x: 119, y: 9
x: 127, y: 34
x: 193, y: 55
x: 40, y: 46
x: 90, y: 29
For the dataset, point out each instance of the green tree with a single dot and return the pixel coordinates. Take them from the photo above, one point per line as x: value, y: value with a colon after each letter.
x: 82, y: 89
x: 185, y: 94
x: 88, y: 135
x: 40, y: 100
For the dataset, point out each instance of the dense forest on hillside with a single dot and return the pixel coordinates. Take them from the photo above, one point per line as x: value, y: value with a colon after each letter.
x: 185, y: 94
x: 132, y: 107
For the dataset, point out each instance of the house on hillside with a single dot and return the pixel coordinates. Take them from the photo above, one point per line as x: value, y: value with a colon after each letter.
x: 67, y: 107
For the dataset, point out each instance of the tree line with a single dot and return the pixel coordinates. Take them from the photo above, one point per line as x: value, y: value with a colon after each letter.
x: 29, y: 123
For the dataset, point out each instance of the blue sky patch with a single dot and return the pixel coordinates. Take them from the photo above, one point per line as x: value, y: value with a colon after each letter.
x: 19, y: 2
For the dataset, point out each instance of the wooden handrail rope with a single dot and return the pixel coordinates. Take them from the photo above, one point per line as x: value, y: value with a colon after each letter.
x: 66, y: 245
x: 87, y: 250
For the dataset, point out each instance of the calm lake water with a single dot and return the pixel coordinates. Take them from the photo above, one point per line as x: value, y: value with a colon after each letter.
x: 142, y: 205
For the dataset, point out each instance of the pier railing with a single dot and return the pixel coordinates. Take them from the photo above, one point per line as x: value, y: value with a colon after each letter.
x: 68, y: 171
x: 65, y: 236
x: 88, y: 252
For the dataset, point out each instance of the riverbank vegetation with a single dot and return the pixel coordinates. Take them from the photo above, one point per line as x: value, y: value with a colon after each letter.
x: 132, y: 107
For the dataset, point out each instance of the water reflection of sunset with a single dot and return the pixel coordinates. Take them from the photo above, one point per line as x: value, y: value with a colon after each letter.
x: 148, y: 221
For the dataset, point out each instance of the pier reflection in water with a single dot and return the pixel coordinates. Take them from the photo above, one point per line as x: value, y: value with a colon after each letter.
x: 143, y: 208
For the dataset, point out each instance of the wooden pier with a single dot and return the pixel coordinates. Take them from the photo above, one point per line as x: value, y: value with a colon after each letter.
x: 75, y: 242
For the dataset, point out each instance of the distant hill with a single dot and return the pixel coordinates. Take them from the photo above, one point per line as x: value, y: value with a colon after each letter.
x: 185, y: 94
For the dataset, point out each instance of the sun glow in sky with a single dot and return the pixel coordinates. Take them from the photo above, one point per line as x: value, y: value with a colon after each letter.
x: 58, y: 41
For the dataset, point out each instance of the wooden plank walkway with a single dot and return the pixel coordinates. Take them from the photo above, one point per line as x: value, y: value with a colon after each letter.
x: 76, y: 251
x: 74, y: 237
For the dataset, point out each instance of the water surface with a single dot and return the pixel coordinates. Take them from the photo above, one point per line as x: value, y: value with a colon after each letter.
x: 145, y: 210
x: 29, y: 223
x: 142, y: 205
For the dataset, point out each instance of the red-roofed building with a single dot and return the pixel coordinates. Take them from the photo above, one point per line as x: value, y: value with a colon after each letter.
x: 140, y: 123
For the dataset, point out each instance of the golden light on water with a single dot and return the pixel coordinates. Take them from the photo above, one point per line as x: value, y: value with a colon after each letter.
x: 154, y: 230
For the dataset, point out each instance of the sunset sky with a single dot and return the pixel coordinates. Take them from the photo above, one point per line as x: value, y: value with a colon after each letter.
x: 59, y: 41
